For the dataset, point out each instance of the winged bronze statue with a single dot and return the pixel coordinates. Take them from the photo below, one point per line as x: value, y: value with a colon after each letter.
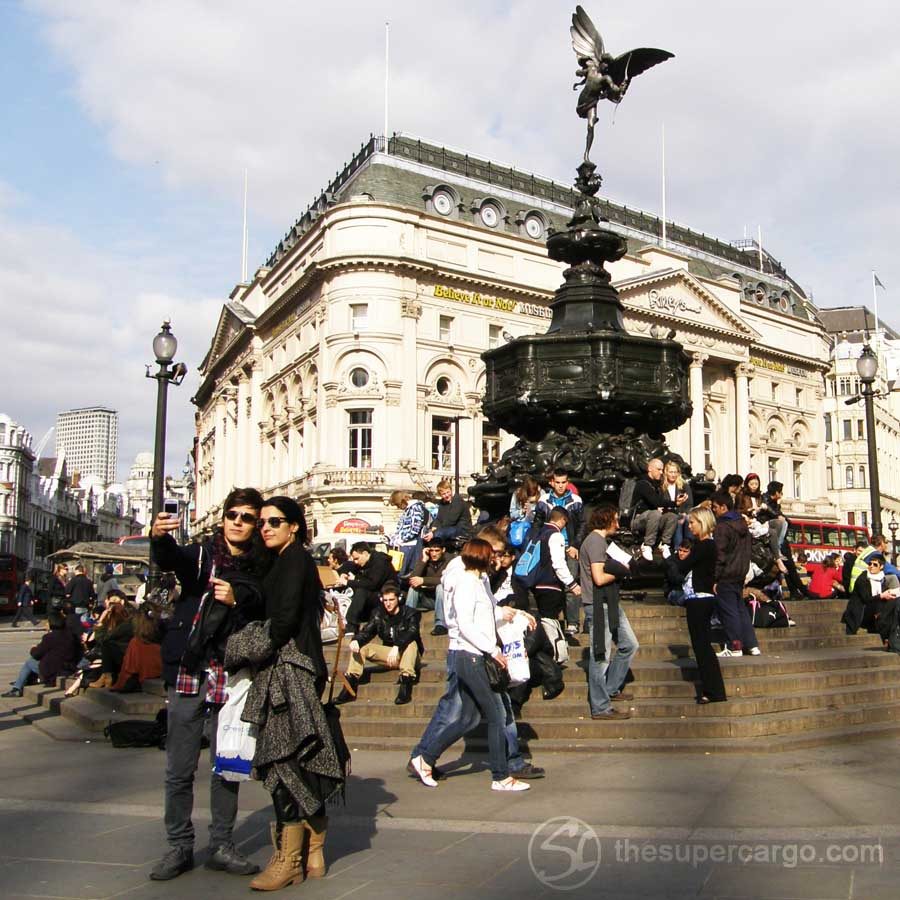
x: 604, y: 76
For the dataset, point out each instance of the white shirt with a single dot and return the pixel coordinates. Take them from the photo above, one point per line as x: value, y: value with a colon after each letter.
x: 455, y: 575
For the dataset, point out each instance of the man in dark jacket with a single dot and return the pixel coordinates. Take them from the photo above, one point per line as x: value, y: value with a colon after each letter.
x: 654, y: 512
x: 397, y: 628
x: 80, y: 590
x: 732, y: 538
x: 425, y: 591
x: 453, y: 519
x: 202, y: 571
x: 25, y: 601
x: 57, y: 654
x: 373, y: 571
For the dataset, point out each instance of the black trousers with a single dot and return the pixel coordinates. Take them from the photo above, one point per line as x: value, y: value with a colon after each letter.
x: 361, y: 606
x: 551, y: 604
x: 699, y: 612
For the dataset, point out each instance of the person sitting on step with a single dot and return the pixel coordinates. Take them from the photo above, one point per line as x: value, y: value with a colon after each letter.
x: 655, y: 513
x: 425, y: 591
x: 55, y: 655
x: 397, y: 629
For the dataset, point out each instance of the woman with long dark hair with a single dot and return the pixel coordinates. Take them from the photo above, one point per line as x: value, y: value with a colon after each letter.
x: 296, y: 757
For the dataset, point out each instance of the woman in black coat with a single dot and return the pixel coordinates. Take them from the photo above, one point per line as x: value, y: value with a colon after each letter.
x: 294, y: 608
x: 700, y: 602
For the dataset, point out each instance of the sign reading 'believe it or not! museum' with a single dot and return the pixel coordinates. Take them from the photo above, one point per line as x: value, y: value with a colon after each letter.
x: 475, y: 299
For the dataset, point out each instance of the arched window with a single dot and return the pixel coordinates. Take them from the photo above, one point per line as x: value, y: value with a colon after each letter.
x: 862, y: 476
x: 848, y: 477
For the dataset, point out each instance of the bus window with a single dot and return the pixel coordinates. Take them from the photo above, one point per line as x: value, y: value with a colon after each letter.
x: 795, y: 534
x: 831, y: 537
x: 813, y: 534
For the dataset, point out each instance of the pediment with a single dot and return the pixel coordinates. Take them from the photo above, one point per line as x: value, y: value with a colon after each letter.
x: 233, y: 321
x: 674, y: 295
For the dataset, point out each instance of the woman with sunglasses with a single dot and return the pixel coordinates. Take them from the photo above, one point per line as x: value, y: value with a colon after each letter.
x: 221, y: 576
x: 295, y: 756
x: 866, y: 601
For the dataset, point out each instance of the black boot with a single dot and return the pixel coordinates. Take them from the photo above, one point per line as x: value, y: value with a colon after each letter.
x: 346, y: 696
x: 404, y: 695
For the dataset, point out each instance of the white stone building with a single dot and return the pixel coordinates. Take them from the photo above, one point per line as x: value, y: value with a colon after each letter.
x: 16, y: 467
x: 344, y: 368
x: 89, y: 440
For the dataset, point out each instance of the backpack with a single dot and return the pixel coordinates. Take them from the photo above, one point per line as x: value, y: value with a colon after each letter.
x: 626, y: 501
x: 528, y: 566
x: 138, y: 733
x: 767, y: 613
x: 518, y: 532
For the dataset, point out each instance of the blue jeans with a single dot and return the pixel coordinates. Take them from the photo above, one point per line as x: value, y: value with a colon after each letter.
x: 416, y: 600
x: 29, y: 667
x: 452, y: 718
x: 411, y: 555
x: 735, y: 616
x: 607, y: 676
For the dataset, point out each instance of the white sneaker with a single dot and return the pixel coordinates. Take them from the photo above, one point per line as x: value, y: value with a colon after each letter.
x: 729, y: 652
x: 647, y: 552
x: 665, y: 551
x: 755, y: 651
x: 421, y: 768
x: 510, y: 784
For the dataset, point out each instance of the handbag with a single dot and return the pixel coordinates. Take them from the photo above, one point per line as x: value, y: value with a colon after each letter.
x: 498, y: 677
x: 557, y: 638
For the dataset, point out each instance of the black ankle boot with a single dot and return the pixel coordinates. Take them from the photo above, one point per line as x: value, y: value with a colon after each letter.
x: 404, y: 694
x: 345, y: 696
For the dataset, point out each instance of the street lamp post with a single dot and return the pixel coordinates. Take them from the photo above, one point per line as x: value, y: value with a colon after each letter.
x: 867, y: 367
x: 164, y: 346
x: 894, y: 525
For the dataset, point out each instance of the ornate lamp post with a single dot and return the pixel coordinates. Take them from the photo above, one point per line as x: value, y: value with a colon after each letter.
x: 164, y: 346
x: 867, y: 367
x: 893, y: 525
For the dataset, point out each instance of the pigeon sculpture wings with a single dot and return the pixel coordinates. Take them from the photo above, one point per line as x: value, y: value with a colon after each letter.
x: 603, y: 76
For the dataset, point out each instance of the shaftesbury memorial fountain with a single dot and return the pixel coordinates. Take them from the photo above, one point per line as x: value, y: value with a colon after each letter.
x: 586, y: 396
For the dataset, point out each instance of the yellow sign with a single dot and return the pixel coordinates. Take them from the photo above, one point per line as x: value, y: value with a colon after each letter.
x: 767, y: 364
x: 475, y: 299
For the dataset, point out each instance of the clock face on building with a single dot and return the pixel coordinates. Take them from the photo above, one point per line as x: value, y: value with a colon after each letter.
x: 442, y: 203
x: 534, y: 227
x: 490, y: 215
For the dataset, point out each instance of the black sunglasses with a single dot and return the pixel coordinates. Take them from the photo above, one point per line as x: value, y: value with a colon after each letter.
x: 273, y: 521
x: 247, y: 518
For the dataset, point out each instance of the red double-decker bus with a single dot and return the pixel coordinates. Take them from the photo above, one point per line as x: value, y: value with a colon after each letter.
x: 818, y: 539
x: 12, y: 574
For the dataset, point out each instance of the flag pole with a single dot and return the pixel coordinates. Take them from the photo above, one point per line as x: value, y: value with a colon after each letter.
x: 665, y: 242
x: 244, y: 236
x: 759, y: 245
x: 387, y: 71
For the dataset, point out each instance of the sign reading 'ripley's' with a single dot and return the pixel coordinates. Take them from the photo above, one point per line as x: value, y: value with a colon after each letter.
x: 498, y: 303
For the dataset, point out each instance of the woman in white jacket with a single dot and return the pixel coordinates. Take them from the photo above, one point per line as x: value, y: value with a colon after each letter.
x: 472, y: 625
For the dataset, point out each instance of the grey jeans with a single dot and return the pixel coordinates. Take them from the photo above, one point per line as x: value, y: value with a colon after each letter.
x: 657, y: 526
x: 186, y: 719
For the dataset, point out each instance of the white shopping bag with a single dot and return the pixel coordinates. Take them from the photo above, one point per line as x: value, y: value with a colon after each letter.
x: 235, y: 740
x: 512, y: 636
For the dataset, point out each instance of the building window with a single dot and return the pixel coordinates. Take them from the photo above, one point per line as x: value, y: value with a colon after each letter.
x: 359, y: 377
x: 773, y: 468
x: 445, y: 328
x: 862, y: 476
x: 495, y: 335
x: 443, y: 385
x: 848, y: 429
x: 828, y: 435
x: 829, y: 478
x: 851, y: 518
x: 707, y: 443
x: 775, y: 391
x: 359, y: 316
x: 860, y: 430
x: 844, y: 385
x: 360, y: 439
x: 864, y: 518
x: 848, y: 477
x: 798, y: 480
x: 441, y: 444
x: 490, y: 445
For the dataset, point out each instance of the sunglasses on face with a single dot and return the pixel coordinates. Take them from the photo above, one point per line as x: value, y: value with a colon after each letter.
x: 246, y: 518
x: 273, y: 521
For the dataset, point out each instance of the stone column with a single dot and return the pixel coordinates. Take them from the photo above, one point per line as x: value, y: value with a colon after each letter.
x: 410, y: 312
x: 696, y: 396
x: 816, y: 462
x: 219, y: 473
x: 241, y: 468
x: 742, y: 416
x: 254, y: 436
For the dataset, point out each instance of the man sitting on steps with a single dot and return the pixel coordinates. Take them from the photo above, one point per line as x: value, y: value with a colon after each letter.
x: 397, y: 628
x: 654, y: 512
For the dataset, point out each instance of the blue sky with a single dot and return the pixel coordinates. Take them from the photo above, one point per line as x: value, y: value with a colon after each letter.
x: 128, y: 127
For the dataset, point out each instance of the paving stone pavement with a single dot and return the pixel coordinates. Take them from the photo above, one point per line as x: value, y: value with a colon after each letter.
x: 83, y: 820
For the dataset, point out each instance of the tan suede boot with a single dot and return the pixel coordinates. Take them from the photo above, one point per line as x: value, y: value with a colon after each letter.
x: 316, y: 826
x: 286, y: 865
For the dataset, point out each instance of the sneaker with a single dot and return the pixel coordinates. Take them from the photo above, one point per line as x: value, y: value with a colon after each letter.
x: 571, y: 629
x: 510, y: 784
x: 647, y: 552
x: 791, y: 623
x: 622, y: 695
x: 418, y: 767
x: 177, y: 861
x: 755, y: 651
x: 12, y: 692
x: 528, y: 771
x: 438, y: 630
x: 611, y: 715
x: 227, y: 858
x: 665, y: 552
x: 729, y: 652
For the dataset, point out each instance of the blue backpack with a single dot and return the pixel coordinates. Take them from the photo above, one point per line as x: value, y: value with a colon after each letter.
x: 528, y: 566
x: 518, y: 531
